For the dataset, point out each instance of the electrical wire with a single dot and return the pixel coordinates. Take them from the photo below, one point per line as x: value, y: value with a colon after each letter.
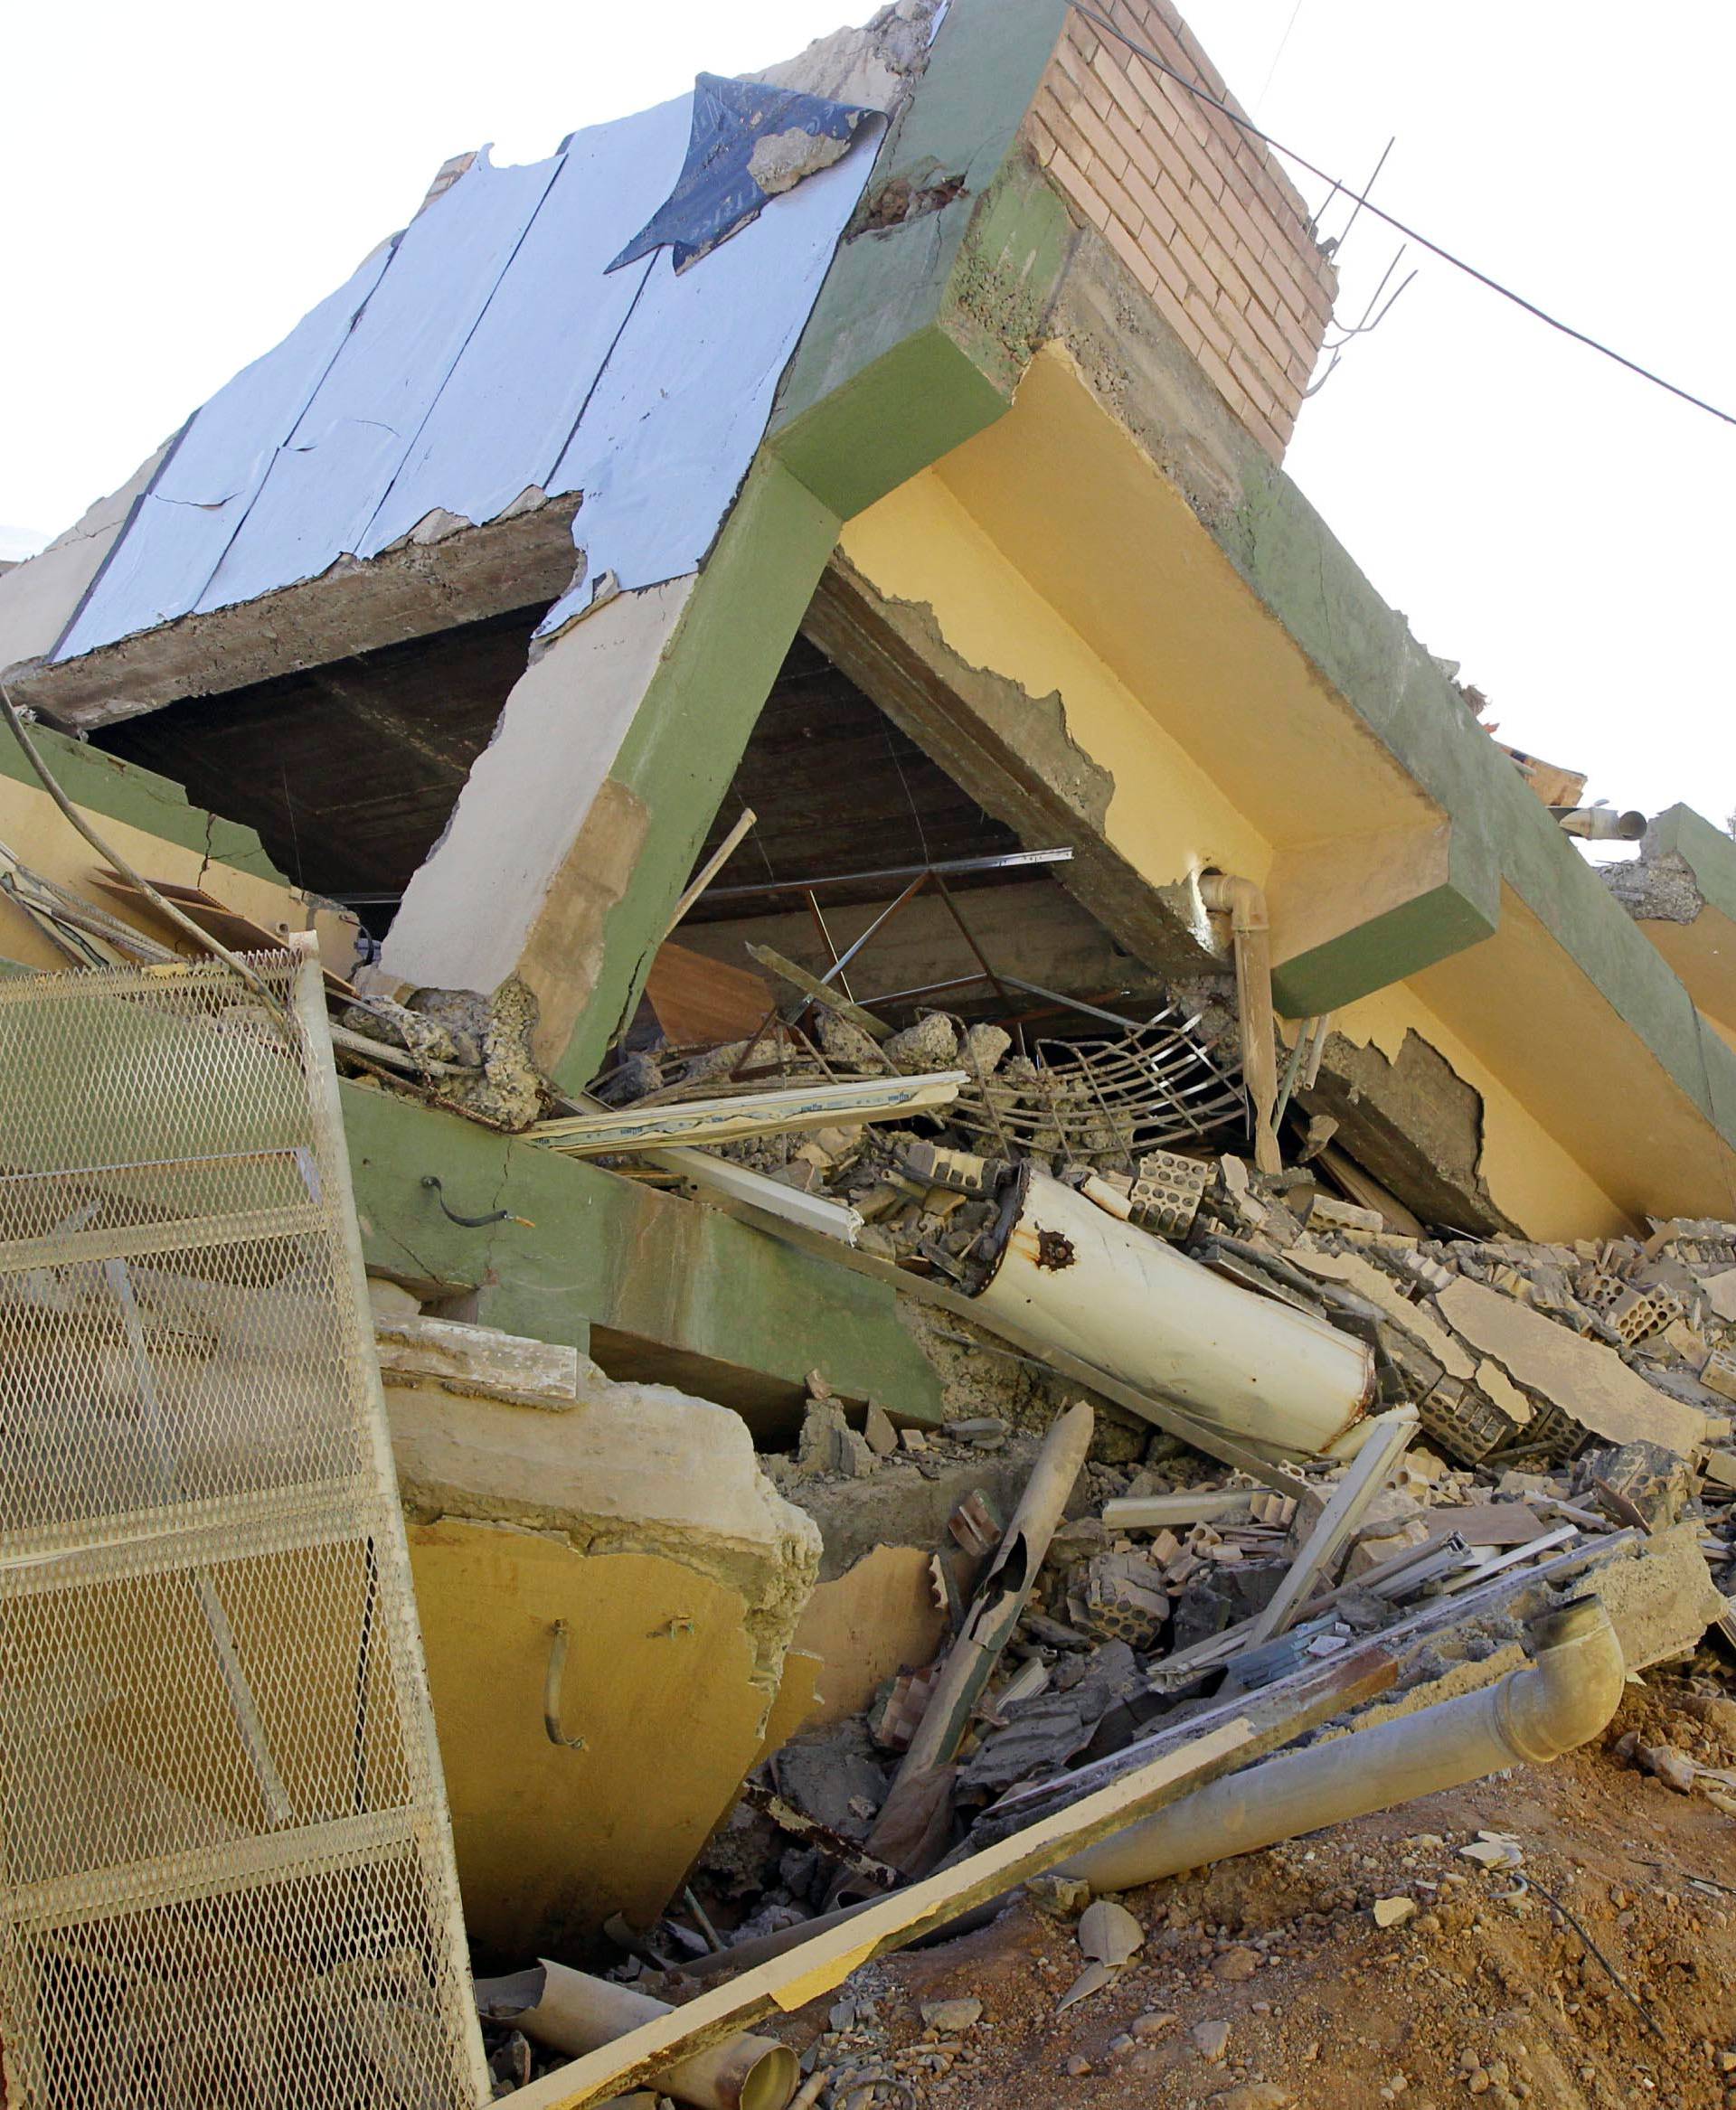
x: 1277, y: 56
x: 1531, y: 307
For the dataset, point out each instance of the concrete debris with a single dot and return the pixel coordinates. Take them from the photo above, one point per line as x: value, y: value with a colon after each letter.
x: 1106, y: 1455
x: 1107, y: 1933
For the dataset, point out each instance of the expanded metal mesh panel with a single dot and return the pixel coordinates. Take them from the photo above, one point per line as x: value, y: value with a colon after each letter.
x: 226, y: 1873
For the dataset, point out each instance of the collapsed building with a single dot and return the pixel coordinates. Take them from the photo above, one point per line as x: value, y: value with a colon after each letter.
x: 877, y: 875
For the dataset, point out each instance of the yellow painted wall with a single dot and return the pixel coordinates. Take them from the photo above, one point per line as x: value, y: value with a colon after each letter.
x: 40, y: 835
x: 955, y: 541
x: 1166, y: 816
x: 658, y: 1682
x: 1531, y: 1177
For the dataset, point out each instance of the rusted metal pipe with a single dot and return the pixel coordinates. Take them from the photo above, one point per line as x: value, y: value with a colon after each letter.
x: 571, y: 2011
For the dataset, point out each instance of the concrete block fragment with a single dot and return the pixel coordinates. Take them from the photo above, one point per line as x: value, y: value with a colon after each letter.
x: 1720, y: 1293
x: 961, y: 1171
x: 1587, y: 1382
x: 931, y: 1043
x: 1718, y: 1373
x: 856, y: 1457
x: 1125, y: 1600
x: 1326, y: 1213
x: 479, y: 1362
x: 984, y: 1048
x: 1166, y: 1192
x: 1636, y: 1314
x: 1655, y: 1481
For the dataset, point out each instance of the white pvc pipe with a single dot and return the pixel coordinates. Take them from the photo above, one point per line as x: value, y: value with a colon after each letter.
x: 1557, y: 1702
x: 573, y: 2012
x: 1118, y: 1298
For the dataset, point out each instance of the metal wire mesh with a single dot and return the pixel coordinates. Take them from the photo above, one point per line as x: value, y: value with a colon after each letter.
x: 226, y: 1873
x: 1155, y: 1087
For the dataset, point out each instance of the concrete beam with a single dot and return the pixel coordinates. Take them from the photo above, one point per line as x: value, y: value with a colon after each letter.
x: 654, y: 1285
x: 1013, y: 752
x: 411, y: 591
x: 1681, y: 892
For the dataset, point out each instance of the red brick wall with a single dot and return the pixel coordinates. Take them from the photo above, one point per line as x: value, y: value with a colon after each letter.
x: 1201, y: 215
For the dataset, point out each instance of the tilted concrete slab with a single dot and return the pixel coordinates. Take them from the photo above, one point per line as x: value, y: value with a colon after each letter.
x: 636, y: 1518
x: 656, y: 1285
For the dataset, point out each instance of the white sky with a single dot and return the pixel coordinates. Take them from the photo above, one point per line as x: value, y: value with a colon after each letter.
x: 190, y: 178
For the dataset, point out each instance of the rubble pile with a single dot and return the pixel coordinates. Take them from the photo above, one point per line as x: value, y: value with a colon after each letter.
x: 1552, y: 1403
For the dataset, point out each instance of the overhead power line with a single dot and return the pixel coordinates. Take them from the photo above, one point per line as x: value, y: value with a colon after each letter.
x: 1364, y: 203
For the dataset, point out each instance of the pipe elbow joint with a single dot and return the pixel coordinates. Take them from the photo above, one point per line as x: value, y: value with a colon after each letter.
x: 1239, y: 899
x: 1571, y: 1690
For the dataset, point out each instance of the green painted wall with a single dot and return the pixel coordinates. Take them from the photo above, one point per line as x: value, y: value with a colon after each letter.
x: 601, y: 1250
x: 922, y: 328
x: 689, y: 731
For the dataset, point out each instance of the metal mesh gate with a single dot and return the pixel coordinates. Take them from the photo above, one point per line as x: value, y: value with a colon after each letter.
x: 226, y: 1874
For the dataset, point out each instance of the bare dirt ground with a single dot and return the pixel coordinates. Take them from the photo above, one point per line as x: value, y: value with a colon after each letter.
x: 1487, y: 1992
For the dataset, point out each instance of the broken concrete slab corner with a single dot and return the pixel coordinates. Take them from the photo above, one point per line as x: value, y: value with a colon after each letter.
x: 943, y: 1153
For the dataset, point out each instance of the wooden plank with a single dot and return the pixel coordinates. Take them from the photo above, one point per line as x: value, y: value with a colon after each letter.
x: 1346, y: 1681
x: 789, y: 1981
x: 783, y: 1110
x: 702, y: 1002
x: 1382, y: 1448
x: 216, y: 919
x: 1161, y: 1413
x: 821, y: 991
x: 1156, y: 1513
x: 1487, y: 1523
x: 709, y: 870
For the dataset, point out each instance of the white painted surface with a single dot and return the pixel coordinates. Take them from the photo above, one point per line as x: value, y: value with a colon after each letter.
x: 1135, y: 1307
x: 484, y: 351
x: 469, y: 909
x: 39, y: 598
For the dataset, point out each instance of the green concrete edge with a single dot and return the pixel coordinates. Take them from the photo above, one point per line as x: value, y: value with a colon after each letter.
x: 1502, y: 833
x: 602, y: 1251
x: 1385, y: 949
x: 1708, y: 853
x: 690, y: 729
x: 917, y: 339
x: 103, y: 783
x: 922, y: 329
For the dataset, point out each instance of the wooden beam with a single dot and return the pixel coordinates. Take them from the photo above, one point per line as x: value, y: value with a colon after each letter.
x: 1158, y: 1512
x: 1349, y: 1681
x: 1389, y: 1435
x: 821, y: 991
x: 713, y: 866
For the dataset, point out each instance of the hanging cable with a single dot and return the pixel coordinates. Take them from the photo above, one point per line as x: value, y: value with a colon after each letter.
x: 1246, y: 125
